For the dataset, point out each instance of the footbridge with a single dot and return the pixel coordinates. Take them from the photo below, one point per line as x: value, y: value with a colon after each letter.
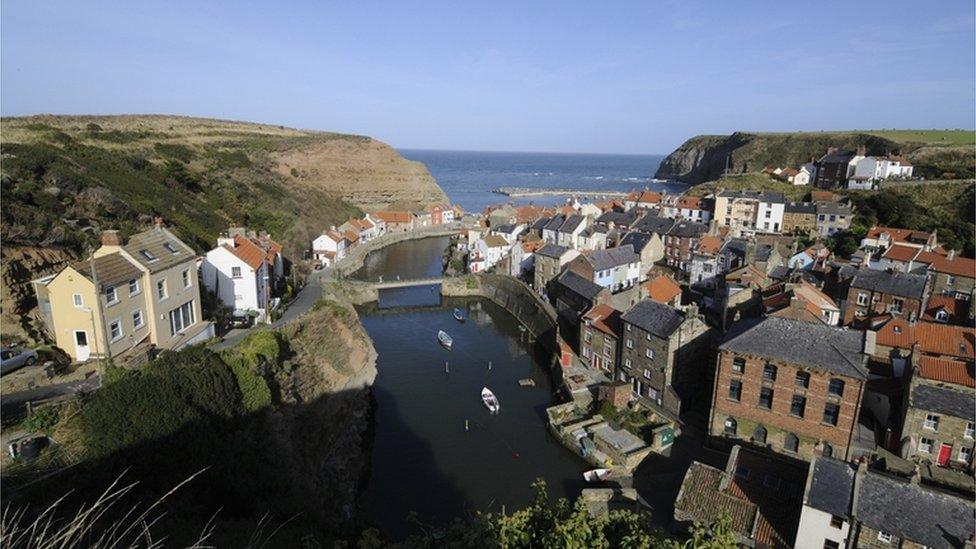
x: 403, y: 282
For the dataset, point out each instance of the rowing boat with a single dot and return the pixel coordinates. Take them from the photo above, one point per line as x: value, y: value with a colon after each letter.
x: 445, y: 339
x: 490, y: 401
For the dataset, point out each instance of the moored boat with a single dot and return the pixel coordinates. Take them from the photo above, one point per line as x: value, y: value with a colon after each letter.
x: 445, y: 339
x: 458, y: 315
x: 596, y: 475
x: 490, y: 400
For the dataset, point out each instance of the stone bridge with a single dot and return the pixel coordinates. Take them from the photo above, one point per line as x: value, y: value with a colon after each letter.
x: 402, y: 282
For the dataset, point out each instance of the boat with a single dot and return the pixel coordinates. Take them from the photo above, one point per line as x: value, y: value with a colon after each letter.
x: 490, y: 401
x: 596, y: 475
x: 458, y: 315
x: 445, y: 339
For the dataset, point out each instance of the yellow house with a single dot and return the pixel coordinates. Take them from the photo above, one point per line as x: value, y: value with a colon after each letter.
x: 147, y: 292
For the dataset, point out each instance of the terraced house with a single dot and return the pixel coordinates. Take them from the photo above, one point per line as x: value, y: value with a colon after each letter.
x: 126, y: 297
x: 872, y: 293
x: 792, y: 386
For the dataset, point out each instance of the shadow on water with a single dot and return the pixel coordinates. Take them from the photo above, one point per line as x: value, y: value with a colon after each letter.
x: 419, y: 258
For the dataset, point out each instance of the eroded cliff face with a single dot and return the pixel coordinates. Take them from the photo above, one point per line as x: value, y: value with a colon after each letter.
x: 18, y: 266
x: 708, y: 157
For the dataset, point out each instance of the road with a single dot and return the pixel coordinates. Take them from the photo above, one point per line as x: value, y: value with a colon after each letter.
x: 12, y: 405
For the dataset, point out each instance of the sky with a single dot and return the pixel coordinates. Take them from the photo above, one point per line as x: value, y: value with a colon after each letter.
x: 611, y: 77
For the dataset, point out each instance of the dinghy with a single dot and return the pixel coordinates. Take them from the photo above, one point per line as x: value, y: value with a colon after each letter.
x: 458, y: 315
x: 490, y: 401
x: 445, y: 339
x: 596, y: 475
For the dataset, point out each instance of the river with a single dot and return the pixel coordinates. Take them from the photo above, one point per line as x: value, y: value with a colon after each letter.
x: 425, y: 459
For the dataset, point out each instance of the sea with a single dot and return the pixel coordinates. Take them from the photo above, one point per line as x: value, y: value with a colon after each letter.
x: 468, y: 177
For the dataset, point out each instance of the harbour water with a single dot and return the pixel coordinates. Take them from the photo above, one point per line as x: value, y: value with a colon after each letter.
x: 469, y: 176
x: 437, y: 450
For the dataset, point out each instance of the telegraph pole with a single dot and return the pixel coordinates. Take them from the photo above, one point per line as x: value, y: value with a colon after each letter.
x: 98, y: 304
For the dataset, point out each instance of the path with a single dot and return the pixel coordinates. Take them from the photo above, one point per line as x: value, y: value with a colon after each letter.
x: 12, y: 405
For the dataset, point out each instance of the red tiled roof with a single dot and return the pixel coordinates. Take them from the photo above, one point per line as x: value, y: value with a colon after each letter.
x: 822, y: 196
x: 531, y: 247
x: 352, y: 236
x: 901, y: 253
x: 247, y: 251
x: 393, y: 216
x: 604, y: 318
x: 649, y: 197
x: 710, y: 244
x: 689, y: 202
x: 947, y: 370
x: 896, y: 234
x: 957, y: 266
x: 937, y: 302
x: 936, y: 339
x: 662, y: 289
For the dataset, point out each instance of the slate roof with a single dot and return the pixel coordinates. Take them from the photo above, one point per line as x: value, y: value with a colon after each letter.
x: 618, y: 218
x: 837, y: 157
x: 637, y: 240
x: 946, y: 401
x: 912, y: 512
x: 653, y: 224
x: 572, y: 223
x: 836, y: 350
x: 762, y: 196
x: 578, y: 284
x: 507, y: 228
x: 554, y: 251
x: 540, y: 223
x: 831, y: 486
x: 836, y: 208
x: 155, y: 242
x: 112, y: 269
x: 555, y: 222
x: 735, y: 246
x: 612, y: 257
x: 688, y: 229
x: 656, y: 318
x: 894, y: 283
x: 781, y: 272
x: 800, y: 208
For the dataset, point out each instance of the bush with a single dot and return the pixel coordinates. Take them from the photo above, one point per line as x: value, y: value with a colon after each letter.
x: 42, y: 420
x: 255, y: 393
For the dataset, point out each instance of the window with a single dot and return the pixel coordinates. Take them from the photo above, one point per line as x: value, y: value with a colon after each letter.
x: 884, y: 537
x: 836, y: 522
x: 161, y: 289
x: 896, y: 305
x: 942, y: 316
x: 629, y: 327
x: 759, y: 435
x: 766, y: 398
x: 627, y: 362
x: 738, y: 365
x: 798, y: 406
x: 862, y: 298
x: 587, y: 336
x: 111, y: 296
x: 836, y: 387
x: 170, y: 248
x: 831, y: 413
x: 77, y: 300
x: 648, y: 337
x: 630, y: 343
x: 792, y: 443
x: 970, y: 430
x: 115, y: 329
x: 769, y: 372
x: 828, y: 450
x: 735, y: 390
x: 965, y: 455
x: 649, y: 353
x: 134, y: 286
x: 647, y: 373
x: 925, y: 445
x: 931, y: 422
x: 148, y: 255
x: 830, y: 544
x: 730, y: 426
x: 137, y: 319
x: 235, y: 272
x: 186, y: 278
x: 653, y: 394
x: 802, y: 380
x: 950, y: 280
x: 181, y: 318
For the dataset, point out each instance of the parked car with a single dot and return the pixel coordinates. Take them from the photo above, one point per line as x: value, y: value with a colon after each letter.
x: 241, y: 320
x: 12, y: 359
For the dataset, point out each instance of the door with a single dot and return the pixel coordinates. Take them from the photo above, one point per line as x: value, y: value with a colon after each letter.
x: 638, y: 387
x: 945, y: 453
x: 81, y: 346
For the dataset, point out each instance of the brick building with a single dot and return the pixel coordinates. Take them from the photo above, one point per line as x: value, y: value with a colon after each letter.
x: 599, y: 337
x: 791, y: 386
x: 871, y: 293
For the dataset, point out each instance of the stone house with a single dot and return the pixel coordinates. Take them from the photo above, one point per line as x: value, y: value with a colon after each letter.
x: 826, y: 518
x: 681, y: 241
x: 549, y: 262
x: 573, y: 295
x: 791, y: 386
x: 799, y: 218
x: 833, y: 217
x: 953, y: 275
x: 872, y: 293
x: 940, y: 416
x: 550, y: 231
x: 661, y: 351
x: 649, y: 246
x: 599, y: 338
x: 834, y: 168
x: 614, y: 268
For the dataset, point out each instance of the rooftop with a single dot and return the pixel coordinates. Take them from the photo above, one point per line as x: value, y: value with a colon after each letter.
x: 662, y: 289
x: 158, y: 249
x: 604, y: 318
x: 579, y: 285
x: 611, y: 257
x: 552, y: 250
x: 943, y: 400
x: 893, y: 283
x: 658, y: 319
x: 688, y: 229
x: 932, y: 338
x: 947, y: 370
x: 830, y: 486
x: 111, y: 269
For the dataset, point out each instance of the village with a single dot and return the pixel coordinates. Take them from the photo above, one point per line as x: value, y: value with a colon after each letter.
x: 843, y: 388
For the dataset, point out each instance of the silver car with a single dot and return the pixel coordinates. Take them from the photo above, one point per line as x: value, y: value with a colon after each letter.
x: 12, y: 359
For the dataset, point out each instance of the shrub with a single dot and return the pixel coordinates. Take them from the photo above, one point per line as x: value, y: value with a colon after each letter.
x: 255, y: 393
x: 42, y: 420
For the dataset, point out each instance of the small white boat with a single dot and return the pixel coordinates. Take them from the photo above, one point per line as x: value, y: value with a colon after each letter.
x: 596, y: 475
x: 490, y: 401
x: 458, y: 315
x: 445, y: 339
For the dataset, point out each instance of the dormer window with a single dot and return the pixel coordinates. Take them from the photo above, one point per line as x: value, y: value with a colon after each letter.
x: 148, y: 255
x: 170, y: 248
x: 897, y: 329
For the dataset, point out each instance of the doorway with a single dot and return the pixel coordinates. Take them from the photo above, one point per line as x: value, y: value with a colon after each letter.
x: 82, y: 352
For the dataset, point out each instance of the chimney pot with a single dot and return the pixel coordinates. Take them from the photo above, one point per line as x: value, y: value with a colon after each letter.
x: 111, y: 238
x: 158, y: 222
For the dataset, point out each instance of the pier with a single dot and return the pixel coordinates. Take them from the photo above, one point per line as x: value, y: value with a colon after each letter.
x: 531, y: 191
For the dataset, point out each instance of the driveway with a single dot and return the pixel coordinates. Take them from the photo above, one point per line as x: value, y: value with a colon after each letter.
x: 13, y: 405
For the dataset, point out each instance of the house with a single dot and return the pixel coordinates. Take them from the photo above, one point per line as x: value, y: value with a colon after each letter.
x: 693, y: 208
x: 878, y: 239
x: 681, y: 241
x: 573, y: 295
x: 736, y: 209
x: 599, y: 337
x: 440, y: 214
x: 379, y: 226
x: 803, y: 301
x: 487, y: 252
x: 947, y: 309
x: 363, y: 229
x: 872, y: 292
x: 421, y: 218
x: 238, y: 272
x: 329, y: 247
x: 509, y: 231
x: 706, y: 264
x: 568, y: 232
x: 662, y: 289
x: 522, y: 257
x: 648, y: 246
x: 799, y: 218
x: 395, y: 221
x: 898, y: 341
x: 791, y: 386
x: 550, y: 231
x: 618, y: 220
x: 805, y: 175
x: 953, y: 275
x: 614, y: 268
x: 644, y: 199
x: 760, y: 494
x: 834, y: 168
x: 940, y: 417
x: 653, y: 224
x: 833, y: 217
x: 144, y: 291
x: 825, y: 518
x: 594, y: 237
x: 549, y: 262
x: 769, y: 214
x: 661, y: 351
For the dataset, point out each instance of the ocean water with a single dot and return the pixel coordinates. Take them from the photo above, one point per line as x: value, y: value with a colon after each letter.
x: 469, y: 176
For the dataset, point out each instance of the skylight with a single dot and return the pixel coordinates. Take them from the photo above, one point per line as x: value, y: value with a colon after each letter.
x: 170, y: 248
x: 148, y: 255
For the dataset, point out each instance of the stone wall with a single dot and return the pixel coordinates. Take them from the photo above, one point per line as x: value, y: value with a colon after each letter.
x: 356, y: 258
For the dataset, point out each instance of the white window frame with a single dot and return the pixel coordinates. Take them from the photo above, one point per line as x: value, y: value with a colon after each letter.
x: 649, y: 353
x: 970, y: 431
x: 630, y: 343
x: 965, y: 454
x: 117, y: 322
x: 862, y: 298
x: 187, y: 278
x: 931, y: 423
x: 111, y: 295
x: 236, y: 273
x: 138, y: 287
x: 627, y: 362
x: 162, y: 291
x: 137, y: 315
x: 924, y: 446
x: 177, y: 323
x: 78, y: 300
x: 884, y: 537
x: 647, y: 373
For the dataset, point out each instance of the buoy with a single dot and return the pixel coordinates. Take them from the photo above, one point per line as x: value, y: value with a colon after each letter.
x: 447, y: 369
x: 489, y: 365
x: 465, y: 425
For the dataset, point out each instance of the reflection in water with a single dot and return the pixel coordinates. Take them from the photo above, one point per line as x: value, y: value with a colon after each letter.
x: 408, y: 259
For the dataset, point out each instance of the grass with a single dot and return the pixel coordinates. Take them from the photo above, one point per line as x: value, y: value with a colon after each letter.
x: 750, y: 181
x: 928, y: 137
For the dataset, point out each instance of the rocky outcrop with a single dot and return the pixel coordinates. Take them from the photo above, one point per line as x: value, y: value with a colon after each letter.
x: 709, y: 157
x: 19, y: 265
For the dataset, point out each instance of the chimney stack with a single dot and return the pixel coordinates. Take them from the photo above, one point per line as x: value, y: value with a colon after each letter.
x: 158, y: 222
x: 111, y: 238
x: 952, y: 255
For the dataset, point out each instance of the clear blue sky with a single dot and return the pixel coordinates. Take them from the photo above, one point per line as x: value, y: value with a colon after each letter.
x: 632, y: 77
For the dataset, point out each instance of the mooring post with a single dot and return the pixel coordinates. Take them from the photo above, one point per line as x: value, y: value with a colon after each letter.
x: 489, y: 365
x: 465, y: 425
x: 447, y: 369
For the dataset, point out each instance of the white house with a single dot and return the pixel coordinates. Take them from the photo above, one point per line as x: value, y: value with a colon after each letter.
x: 329, y: 247
x: 569, y: 231
x: 509, y: 231
x: 806, y: 174
x: 825, y: 517
x: 486, y: 252
x: 378, y: 224
x: 769, y: 212
x: 238, y: 272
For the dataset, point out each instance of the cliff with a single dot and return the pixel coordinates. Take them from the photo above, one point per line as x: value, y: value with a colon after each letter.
x: 65, y: 178
x: 708, y: 157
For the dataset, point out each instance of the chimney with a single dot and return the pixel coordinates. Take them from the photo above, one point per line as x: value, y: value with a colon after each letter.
x: 111, y: 238
x: 862, y: 150
x: 870, y: 342
x: 952, y: 254
x: 158, y: 222
x: 831, y: 150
